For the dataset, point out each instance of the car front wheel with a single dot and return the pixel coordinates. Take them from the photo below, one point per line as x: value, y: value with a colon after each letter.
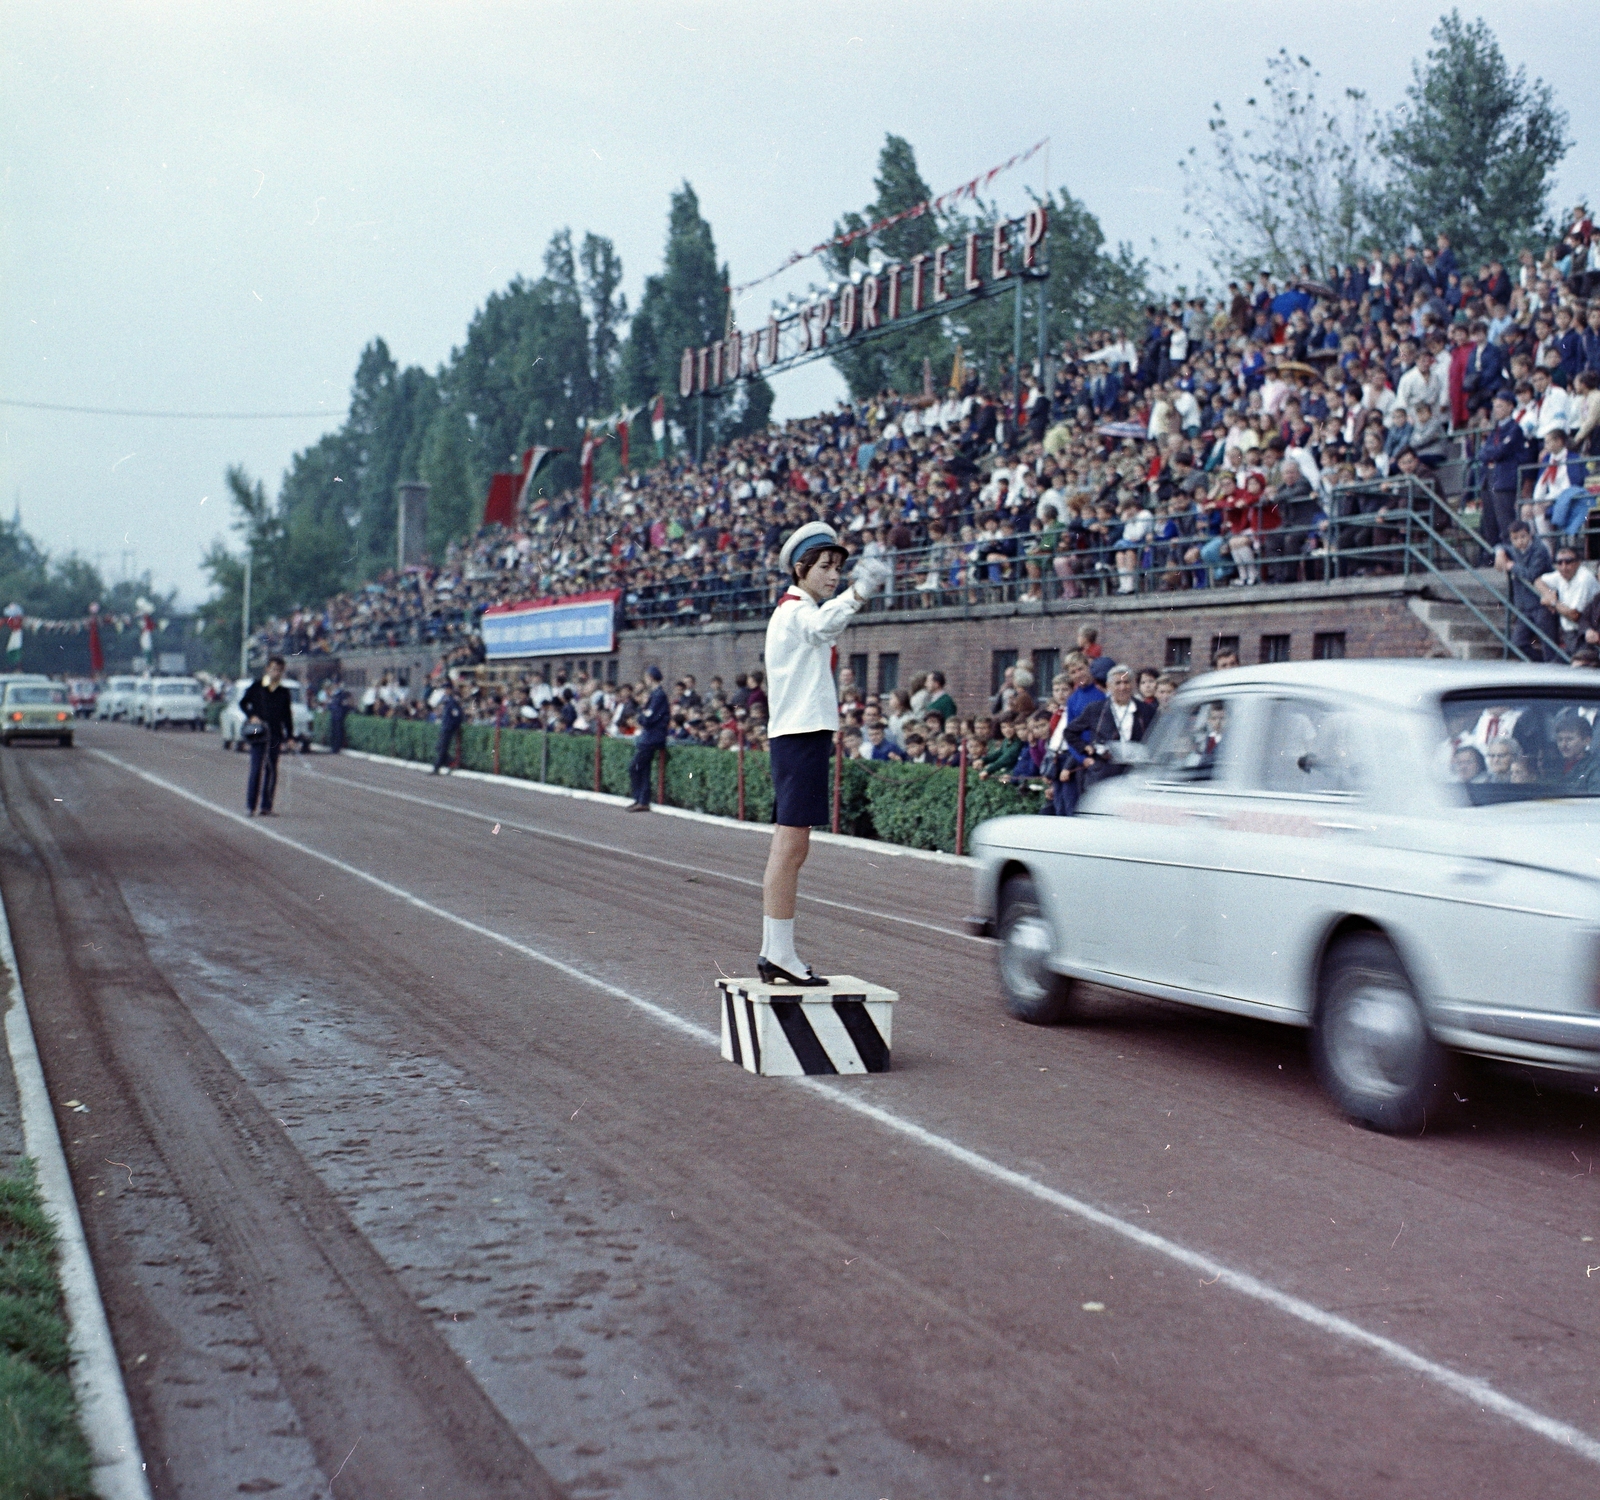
x: 1034, y: 991
x: 1371, y: 1044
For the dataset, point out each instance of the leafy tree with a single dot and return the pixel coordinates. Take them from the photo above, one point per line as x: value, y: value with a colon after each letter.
x: 390, y: 410
x: 1294, y: 184
x: 455, y: 501
x: 1473, y: 149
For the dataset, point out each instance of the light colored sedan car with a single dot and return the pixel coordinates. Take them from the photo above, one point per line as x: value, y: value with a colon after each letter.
x: 36, y: 710
x: 231, y: 723
x: 116, y: 698
x: 173, y: 701
x: 1400, y: 856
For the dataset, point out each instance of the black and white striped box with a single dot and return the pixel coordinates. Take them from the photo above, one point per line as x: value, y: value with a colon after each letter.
x: 779, y: 1031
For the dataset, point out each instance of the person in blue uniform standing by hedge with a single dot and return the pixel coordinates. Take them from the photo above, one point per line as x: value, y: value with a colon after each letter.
x: 450, y: 717
x: 653, y: 722
x: 338, y: 707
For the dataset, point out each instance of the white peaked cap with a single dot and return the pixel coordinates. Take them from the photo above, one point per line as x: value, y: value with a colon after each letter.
x: 809, y: 538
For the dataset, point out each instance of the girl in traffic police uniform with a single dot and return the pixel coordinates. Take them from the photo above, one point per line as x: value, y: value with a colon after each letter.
x: 803, y: 717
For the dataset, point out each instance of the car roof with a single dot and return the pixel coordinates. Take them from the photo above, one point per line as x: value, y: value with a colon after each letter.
x: 1402, y: 683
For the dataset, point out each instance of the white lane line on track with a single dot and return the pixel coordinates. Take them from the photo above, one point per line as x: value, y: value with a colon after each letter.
x: 1469, y: 1387
x: 654, y: 859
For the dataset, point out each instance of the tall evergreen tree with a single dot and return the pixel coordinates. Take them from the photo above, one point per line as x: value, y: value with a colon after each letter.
x: 895, y: 359
x: 608, y: 312
x: 1473, y: 149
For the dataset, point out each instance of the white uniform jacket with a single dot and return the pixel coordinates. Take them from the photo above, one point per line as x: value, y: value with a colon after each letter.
x: 801, y: 695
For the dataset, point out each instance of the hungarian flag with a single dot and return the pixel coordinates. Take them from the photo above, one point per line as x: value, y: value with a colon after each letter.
x: 624, y: 426
x: 591, y: 445
x: 14, y: 635
x: 97, y: 657
x: 658, y: 420
x: 532, y: 461
x: 147, y: 633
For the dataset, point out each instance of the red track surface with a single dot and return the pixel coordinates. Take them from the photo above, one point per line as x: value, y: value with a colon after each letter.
x: 375, y: 1191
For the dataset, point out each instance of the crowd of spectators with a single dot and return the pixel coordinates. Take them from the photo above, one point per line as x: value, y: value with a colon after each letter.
x: 1292, y: 428
x: 1046, y: 742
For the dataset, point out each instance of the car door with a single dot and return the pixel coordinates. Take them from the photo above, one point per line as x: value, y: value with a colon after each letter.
x: 1293, y: 837
x: 1151, y: 893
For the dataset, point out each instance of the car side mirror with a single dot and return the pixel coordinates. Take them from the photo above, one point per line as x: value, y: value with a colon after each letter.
x: 1307, y: 762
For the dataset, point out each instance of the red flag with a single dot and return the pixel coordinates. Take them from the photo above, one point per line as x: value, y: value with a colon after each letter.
x: 532, y: 461
x: 591, y: 446
x: 622, y: 437
x: 501, y: 505
x: 97, y: 657
x: 658, y: 419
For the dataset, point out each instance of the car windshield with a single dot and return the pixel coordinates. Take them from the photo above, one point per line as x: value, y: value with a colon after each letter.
x: 1521, y: 745
x: 179, y: 689
x: 36, y: 695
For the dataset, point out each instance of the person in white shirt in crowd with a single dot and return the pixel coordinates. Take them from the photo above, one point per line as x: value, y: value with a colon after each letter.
x: 1560, y: 496
x: 1549, y: 409
x: 1568, y: 592
x: 803, y: 717
x: 1422, y: 382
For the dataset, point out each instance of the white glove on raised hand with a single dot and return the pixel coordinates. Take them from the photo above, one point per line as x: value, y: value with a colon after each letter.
x: 870, y: 576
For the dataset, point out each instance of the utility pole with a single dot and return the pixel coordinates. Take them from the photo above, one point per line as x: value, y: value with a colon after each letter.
x: 244, y: 627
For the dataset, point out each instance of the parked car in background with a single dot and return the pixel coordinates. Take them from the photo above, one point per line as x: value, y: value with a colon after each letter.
x: 171, y: 702
x: 36, y: 710
x: 231, y: 721
x: 1399, y: 856
x: 116, y: 698
x: 82, y: 694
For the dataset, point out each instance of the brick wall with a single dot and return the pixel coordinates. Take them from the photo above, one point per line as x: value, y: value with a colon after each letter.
x: 1373, y: 615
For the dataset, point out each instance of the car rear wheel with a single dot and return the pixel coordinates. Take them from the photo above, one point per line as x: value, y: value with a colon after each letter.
x: 1371, y: 1044
x: 1034, y: 991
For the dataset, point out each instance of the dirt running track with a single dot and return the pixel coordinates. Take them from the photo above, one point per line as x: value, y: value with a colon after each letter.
x: 409, y: 1168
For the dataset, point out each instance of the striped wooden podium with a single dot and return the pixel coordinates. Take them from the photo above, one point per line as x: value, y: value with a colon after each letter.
x: 780, y: 1031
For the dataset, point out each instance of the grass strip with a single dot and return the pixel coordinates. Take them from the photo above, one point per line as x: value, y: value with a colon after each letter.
x: 43, y: 1454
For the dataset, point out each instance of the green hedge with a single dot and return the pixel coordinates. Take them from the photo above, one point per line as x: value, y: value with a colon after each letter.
x: 912, y: 805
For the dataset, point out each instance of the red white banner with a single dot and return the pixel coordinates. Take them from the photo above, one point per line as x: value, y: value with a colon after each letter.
x: 932, y: 205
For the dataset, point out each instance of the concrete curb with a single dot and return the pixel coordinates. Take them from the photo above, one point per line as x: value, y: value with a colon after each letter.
x: 119, y: 1472
x: 842, y: 840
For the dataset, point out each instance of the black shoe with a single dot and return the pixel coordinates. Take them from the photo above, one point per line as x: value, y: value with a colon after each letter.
x: 771, y: 974
x: 637, y: 807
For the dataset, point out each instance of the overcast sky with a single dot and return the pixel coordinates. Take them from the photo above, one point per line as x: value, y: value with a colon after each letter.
x: 212, y: 207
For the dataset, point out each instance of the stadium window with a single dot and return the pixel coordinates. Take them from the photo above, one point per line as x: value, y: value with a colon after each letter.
x: 1224, y: 643
x: 888, y: 672
x: 1178, y: 650
x: 1045, y: 666
x: 1274, y: 648
x: 858, y: 670
x: 1328, y: 645
x: 611, y: 672
x: 999, y: 662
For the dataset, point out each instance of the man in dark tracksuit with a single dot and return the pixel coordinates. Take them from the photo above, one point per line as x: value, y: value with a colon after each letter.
x: 266, y: 702
x: 450, y: 717
x: 653, y: 722
x: 338, y: 707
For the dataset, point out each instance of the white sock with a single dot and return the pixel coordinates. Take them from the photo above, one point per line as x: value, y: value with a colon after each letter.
x: 779, y: 945
x: 766, y: 936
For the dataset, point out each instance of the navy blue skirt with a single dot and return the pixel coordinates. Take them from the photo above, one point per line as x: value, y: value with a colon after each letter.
x: 801, y: 795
